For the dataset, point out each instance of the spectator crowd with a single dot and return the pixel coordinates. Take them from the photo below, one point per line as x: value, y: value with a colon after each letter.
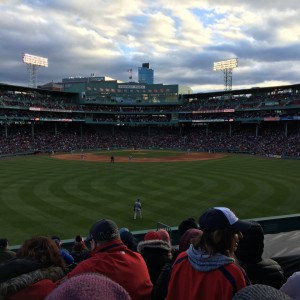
x: 218, y: 257
x: 271, y: 140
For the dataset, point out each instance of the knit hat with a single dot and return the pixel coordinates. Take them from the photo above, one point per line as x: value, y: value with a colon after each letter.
x: 292, y: 287
x: 129, y: 240
x: 164, y: 235
x: 121, y: 230
x: 185, y: 240
x: 261, y: 292
x: 91, y: 286
x: 152, y: 235
x: 104, y: 230
x: 219, y: 218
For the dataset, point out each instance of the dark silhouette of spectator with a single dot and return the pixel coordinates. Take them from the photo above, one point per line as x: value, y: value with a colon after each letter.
x: 89, y: 286
x: 5, y: 253
x: 207, y: 270
x: 128, y: 239
x: 32, y: 273
x: 79, y: 249
x: 110, y: 257
x: 249, y: 254
x: 186, y: 224
x: 66, y: 255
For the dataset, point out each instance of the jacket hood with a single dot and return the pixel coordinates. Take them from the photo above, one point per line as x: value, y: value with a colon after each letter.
x: 154, y: 244
x: 203, y: 262
x: 18, y: 283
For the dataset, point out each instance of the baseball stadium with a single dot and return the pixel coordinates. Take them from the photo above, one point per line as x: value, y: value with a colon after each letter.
x: 179, y: 153
x: 88, y: 151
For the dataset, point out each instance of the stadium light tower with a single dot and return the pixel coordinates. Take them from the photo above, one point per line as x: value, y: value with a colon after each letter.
x: 33, y: 62
x: 226, y: 66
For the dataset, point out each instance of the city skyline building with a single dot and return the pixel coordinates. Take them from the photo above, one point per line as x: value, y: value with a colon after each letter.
x: 145, y: 74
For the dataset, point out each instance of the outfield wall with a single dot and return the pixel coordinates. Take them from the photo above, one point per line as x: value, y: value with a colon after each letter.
x: 271, y: 225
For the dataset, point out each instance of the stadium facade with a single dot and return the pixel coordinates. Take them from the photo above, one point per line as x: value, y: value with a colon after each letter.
x: 103, y: 90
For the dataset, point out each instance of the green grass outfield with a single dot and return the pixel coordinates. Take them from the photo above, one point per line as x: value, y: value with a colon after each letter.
x: 41, y: 195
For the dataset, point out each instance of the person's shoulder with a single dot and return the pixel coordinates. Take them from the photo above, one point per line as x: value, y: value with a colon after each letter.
x: 234, y: 267
x: 269, y: 262
x: 8, y: 252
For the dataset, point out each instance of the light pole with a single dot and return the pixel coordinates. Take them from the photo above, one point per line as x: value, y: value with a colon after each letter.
x: 33, y: 62
x: 226, y: 66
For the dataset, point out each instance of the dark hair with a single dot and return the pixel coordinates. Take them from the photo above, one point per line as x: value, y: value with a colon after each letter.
x: 42, y: 249
x: 78, y: 238
x: 3, y: 243
x: 187, y: 224
x: 218, y: 241
x: 79, y: 244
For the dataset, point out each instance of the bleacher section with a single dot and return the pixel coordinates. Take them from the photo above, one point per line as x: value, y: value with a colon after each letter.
x: 256, y: 121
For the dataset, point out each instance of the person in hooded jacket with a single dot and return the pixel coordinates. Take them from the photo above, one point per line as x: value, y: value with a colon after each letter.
x: 207, y: 270
x: 32, y: 274
x: 156, y: 253
x: 249, y: 256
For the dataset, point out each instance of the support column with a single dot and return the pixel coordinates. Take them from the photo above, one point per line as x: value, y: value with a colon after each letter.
x: 285, y: 129
x: 6, y: 130
x: 32, y: 130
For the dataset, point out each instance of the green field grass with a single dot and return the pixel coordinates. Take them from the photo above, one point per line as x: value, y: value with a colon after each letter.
x: 41, y: 195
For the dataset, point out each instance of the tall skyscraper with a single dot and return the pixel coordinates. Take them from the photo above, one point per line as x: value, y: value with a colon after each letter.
x: 145, y: 74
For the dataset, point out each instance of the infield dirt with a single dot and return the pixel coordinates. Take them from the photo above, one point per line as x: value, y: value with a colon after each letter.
x: 188, y: 156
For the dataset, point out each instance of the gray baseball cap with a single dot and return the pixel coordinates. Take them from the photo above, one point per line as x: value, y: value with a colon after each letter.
x: 104, y: 230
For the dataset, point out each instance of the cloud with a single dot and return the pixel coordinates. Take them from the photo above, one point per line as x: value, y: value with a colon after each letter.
x: 180, y: 39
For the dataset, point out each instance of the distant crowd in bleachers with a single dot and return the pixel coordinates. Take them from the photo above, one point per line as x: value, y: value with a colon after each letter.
x: 270, y: 140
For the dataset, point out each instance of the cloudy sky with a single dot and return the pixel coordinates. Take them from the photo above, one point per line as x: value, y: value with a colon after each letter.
x: 180, y: 39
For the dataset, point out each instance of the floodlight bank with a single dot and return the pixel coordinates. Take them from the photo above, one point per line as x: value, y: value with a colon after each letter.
x: 35, y: 60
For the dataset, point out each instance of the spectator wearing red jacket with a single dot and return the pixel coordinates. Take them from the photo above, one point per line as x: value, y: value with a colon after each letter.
x: 110, y: 257
x: 207, y: 270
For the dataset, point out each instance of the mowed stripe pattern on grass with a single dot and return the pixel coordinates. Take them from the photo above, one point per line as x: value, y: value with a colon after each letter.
x: 45, y: 196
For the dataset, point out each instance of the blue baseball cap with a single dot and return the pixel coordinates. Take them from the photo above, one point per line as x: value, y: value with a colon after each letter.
x: 218, y: 218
